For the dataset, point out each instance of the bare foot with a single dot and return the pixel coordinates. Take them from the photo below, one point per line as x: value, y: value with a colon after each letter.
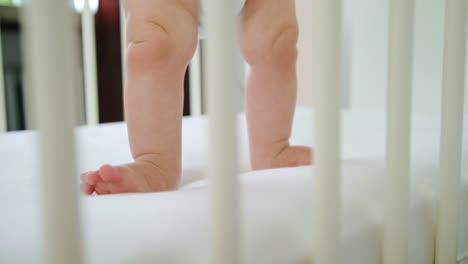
x: 139, y: 176
x: 287, y: 156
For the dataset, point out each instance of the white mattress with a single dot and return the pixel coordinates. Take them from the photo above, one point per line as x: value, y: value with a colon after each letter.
x: 172, y: 227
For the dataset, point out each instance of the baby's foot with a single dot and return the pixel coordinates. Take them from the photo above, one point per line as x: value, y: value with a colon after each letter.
x: 289, y: 156
x: 139, y: 176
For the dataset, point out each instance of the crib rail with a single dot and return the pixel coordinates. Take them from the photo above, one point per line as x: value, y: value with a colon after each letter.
x: 222, y: 69
x: 89, y: 64
x: 123, y: 38
x: 452, y: 130
x: 195, y: 83
x: 326, y: 75
x: 50, y: 60
x: 3, y: 116
x: 395, y: 243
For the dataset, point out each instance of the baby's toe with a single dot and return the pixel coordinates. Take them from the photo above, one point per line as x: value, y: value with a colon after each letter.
x: 103, y: 188
x: 87, y: 189
x: 113, y: 188
x: 91, y: 178
x: 110, y: 174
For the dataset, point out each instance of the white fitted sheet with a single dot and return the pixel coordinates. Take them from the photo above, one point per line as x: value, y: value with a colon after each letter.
x: 172, y: 227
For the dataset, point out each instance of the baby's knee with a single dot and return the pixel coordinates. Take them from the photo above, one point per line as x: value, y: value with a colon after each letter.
x: 158, y: 40
x: 152, y: 48
x: 279, y: 44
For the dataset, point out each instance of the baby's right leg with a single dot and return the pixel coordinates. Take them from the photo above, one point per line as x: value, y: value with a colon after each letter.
x: 162, y: 37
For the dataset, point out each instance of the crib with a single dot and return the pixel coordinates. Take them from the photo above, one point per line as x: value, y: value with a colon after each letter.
x: 49, y: 23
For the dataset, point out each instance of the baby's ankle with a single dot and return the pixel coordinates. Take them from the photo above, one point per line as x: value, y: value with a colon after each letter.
x: 263, y: 155
x: 157, y: 164
x: 279, y: 155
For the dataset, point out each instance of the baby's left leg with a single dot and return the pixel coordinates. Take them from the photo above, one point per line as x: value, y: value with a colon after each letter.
x: 162, y: 37
x: 268, y: 41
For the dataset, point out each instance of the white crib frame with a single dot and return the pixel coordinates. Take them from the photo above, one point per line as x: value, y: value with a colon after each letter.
x: 50, y: 65
x: 395, y: 247
x: 49, y: 23
x: 326, y: 76
x: 123, y: 39
x: 89, y: 64
x: 3, y: 113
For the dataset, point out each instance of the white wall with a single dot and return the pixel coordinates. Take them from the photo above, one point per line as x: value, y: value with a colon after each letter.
x: 304, y: 63
x: 369, y: 55
x: 305, y: 60
x: 428, y: 54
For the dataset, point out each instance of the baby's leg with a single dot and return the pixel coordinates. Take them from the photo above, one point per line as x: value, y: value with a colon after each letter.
x: 268, y: 42
x: 162, y: 36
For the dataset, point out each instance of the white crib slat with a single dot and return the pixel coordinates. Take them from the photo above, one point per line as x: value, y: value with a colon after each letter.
x: 90, y: 71
x: 222, y: 57
x: 326, y: 75
x: 452, y: 130
x: 3, y: 117
x: 195, y: 84
x: 51, y: 63
x: 398, y: 132
x: 123, y: 39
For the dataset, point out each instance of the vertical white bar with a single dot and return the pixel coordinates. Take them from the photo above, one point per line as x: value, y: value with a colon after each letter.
x: 90, y: 71
x: 3, y: 116
x: 195, y: 84
x: 50, y: 59
x: 222, y: 58
x: 395, y: 244
x: 123, y: 39
x: 346, y: 48
x: 452, y: 130
x: 326, y: 71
